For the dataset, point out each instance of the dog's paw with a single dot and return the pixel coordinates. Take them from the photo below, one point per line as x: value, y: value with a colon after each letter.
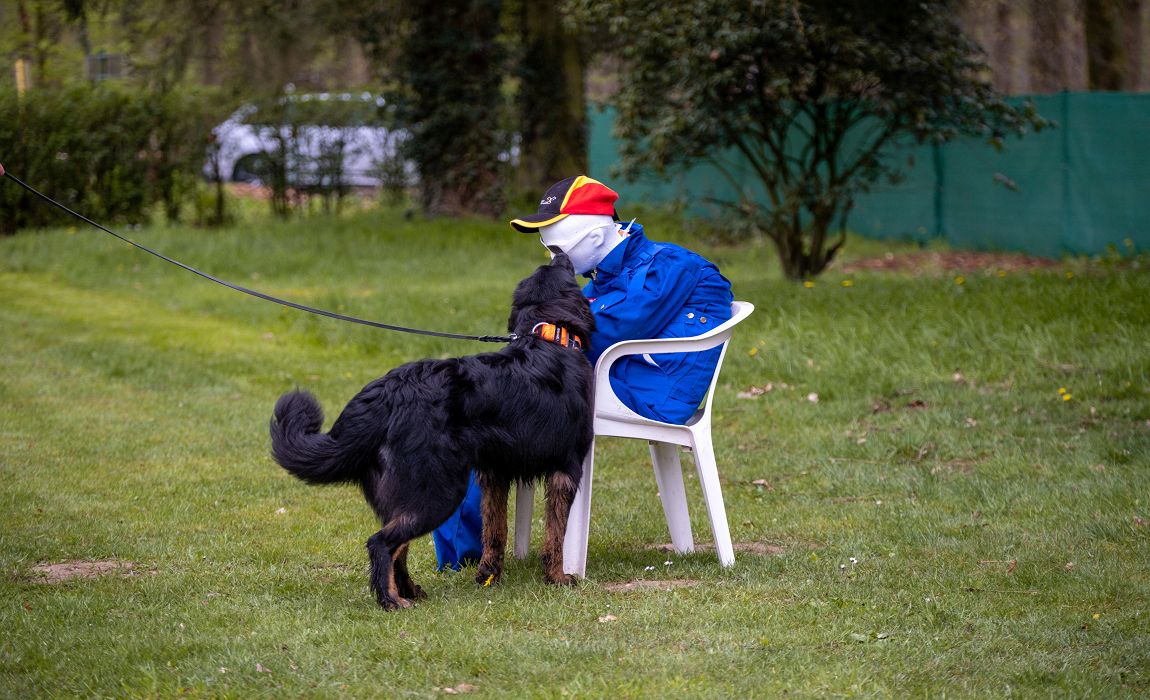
x: 488, y: 575
x: 389, y: 603
x: 561, y: 580
x: 409, y: 589
x: 413, y: 592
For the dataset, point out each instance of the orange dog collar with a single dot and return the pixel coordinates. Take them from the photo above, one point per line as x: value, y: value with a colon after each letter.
x: 557, y: 334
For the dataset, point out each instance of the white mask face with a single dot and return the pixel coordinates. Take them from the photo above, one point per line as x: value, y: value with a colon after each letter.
x: 586, y: 239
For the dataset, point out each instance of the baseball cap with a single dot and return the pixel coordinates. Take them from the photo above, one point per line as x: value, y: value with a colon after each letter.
x: 575, y: 195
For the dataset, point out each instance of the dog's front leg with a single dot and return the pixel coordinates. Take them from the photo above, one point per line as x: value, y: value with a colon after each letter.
x: 494, y: 506
x: 560, y: 494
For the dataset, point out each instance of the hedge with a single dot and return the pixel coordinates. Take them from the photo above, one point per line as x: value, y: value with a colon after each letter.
x: 111, y: 153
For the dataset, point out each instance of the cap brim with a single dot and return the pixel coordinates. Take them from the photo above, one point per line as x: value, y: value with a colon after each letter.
x: 531, y: 224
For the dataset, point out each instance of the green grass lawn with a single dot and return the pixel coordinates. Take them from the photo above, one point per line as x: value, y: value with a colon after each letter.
x: 963, y: 512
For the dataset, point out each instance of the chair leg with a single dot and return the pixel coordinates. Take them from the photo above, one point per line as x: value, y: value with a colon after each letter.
x: 713, y: 496
x: 579, y: 522
x: 669, y: 477
x: 524, y: 503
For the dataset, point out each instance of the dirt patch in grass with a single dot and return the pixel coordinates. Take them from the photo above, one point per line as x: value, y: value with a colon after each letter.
x: 950, y: 261
x: 82, y: 569
x: 644, y: 585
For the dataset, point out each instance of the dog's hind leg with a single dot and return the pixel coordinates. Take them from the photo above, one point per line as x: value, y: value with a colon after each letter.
x: 382, y: 559
x: 560, y: 494
x: 411, y: 499
x: 494, y: 507
x: 388, y: 548
x: 407, y: 588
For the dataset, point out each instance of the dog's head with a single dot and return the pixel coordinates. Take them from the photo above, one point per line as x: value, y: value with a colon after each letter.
x: 551, y: 295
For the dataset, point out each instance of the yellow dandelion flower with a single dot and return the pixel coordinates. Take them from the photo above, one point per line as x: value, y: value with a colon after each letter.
x: 1002, y: 273
x: 808, y: 284
x: 848, y: 283
x: 753, y: 351
x: 960, y: 280
x: 1069, y: 274
x: 1066, y: 397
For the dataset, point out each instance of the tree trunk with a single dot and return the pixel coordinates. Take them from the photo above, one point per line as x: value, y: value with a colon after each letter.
x: 551, y: 97
x: 802, y: 250
x: 451, y: 64
x: 24, y: 51
x: 1047, y: 54
x: 1104, y: 54
x: 213, y: 34
x: 1133, y: 38
x: 75, y: 11
x: 1003, y: 48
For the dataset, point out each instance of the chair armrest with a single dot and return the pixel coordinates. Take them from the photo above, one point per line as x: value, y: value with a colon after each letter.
x: 696, y: 343
x: 607, y: 404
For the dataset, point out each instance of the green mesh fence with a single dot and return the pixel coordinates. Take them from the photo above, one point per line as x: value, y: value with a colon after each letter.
x: 1080, y: 188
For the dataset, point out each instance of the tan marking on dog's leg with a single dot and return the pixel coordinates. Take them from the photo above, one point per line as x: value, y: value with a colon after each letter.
x: 392, y: 584
x: 494, y: 509
x: 407, y: 588
x: 560, y: 493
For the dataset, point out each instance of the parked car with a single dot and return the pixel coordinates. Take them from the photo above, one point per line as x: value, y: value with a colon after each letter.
x: 311, y: 140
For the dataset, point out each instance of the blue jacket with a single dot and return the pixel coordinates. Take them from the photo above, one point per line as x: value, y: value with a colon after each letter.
x: 644, y: 289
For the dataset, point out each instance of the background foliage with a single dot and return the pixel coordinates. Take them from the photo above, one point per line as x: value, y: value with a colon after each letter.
x: 808, y: 96
x: 109, y: 152
x: 487, y: 79
x: 450, y: 75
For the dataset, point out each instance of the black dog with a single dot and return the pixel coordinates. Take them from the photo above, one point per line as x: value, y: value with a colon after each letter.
x: 410, y: 437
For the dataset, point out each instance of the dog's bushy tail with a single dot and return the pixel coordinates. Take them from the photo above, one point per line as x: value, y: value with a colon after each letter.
x: 299, y: 446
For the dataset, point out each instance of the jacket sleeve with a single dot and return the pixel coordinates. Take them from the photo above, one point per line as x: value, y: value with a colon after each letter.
x: 647, y: 308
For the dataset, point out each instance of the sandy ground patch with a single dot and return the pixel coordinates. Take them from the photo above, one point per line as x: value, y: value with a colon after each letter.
x: 83, y: 569
x: 950, y: 261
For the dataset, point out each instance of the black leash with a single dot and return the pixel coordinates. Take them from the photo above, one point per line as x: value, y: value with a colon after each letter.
x: 252, y: 292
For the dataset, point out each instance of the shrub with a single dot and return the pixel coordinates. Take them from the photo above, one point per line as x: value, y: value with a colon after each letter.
x: 109, y: 153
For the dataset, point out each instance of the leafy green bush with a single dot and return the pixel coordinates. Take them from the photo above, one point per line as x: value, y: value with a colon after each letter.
x: 110, y: 153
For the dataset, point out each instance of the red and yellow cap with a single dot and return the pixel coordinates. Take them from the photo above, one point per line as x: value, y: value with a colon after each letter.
x: 575, y: 195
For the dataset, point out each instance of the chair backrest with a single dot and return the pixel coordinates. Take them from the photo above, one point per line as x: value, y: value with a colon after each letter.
x: 719, y: 335
x: 739, y: 311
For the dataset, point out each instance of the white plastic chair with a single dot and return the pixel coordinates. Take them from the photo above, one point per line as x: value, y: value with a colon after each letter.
x: 614, y: 419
